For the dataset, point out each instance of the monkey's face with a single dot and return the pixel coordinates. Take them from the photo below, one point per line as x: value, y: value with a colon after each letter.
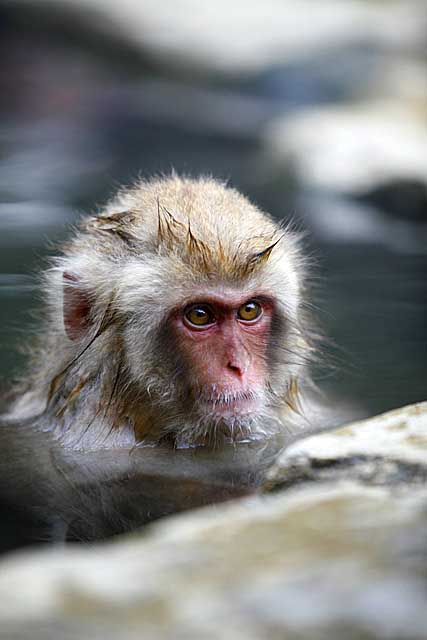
x: 191, y: 299
x: 222, y: 343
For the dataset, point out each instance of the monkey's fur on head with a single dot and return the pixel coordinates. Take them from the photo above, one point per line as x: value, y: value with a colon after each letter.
x: 116, y: 378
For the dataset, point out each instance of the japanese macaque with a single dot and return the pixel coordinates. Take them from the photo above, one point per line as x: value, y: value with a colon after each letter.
x: 175, y: 322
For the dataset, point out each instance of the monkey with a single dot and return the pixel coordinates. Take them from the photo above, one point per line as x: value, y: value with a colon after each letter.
x: 171, y: 367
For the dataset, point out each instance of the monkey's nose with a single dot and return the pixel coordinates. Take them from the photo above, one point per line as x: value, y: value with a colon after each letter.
x: 237, y: 369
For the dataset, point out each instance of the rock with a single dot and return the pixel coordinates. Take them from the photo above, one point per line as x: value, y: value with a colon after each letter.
x: 340, y: 220
x: 351, y: 149
x: 359, y: 172
x: 334, y: 552
x: 249, y: 37
x: 390, y: 449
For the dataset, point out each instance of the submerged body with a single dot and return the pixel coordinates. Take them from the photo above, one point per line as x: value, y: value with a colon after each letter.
x: 175, y: 326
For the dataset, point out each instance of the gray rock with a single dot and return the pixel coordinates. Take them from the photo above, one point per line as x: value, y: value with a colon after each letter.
x: 339, y: 554
x: 390, y: 449
x: 249, y: 37
x: 350, y: 149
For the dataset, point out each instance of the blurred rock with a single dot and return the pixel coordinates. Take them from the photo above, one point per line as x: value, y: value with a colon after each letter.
x: 336, y: 219
x: 242, y: 37
x: 401, y: 77
x: 350, y: 149
x: 338, y: 551
x: 360, y: 172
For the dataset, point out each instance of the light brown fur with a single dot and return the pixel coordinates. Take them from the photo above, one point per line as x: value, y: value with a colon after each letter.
x: 155, y: 246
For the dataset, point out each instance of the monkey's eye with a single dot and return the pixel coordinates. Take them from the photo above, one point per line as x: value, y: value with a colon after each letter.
x: 249, y: 311
x: 199, y: 316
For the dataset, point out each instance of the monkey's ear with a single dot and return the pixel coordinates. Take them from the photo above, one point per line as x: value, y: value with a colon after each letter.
x: 76, y: 307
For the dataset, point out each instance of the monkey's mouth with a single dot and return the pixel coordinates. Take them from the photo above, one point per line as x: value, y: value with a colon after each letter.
x: 228, y: 404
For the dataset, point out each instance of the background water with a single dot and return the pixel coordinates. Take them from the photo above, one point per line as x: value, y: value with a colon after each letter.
x: 318, y: 116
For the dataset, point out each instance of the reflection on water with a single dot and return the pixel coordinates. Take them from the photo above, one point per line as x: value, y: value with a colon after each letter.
x: 86, y: 495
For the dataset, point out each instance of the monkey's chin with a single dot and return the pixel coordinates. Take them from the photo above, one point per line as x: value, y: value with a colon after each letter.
x: 222, y: 430
x: 216, y: 426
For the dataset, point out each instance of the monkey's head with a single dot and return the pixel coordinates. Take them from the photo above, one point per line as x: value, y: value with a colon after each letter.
x: 182, y: 314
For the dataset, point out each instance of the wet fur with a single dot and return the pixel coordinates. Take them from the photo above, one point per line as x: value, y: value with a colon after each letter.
x: 154, y: 247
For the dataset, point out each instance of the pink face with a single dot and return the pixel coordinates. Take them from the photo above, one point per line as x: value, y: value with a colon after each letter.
x: 224, y: 343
